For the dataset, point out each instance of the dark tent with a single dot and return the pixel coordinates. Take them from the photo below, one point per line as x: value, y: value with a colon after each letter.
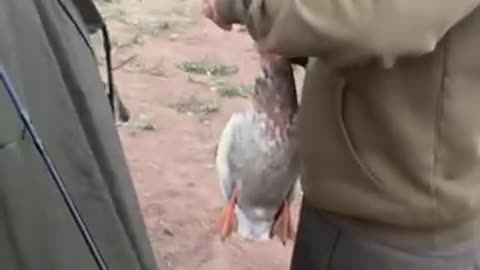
x: 47, y: 62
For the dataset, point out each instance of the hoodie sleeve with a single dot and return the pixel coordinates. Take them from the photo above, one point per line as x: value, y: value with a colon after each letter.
x: 345, y: 30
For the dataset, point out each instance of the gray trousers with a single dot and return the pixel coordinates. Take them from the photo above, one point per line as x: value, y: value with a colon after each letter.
x: 322, y: 245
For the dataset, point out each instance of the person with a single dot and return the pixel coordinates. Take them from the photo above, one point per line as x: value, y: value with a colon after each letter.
x: 388, y: 127
x: 66, y: 195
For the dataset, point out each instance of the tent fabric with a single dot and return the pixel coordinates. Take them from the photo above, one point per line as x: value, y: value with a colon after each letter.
x: 47, y: 55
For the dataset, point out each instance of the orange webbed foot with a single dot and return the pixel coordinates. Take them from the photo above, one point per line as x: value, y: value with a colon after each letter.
x: 283, y: 225
x: 227, y: 221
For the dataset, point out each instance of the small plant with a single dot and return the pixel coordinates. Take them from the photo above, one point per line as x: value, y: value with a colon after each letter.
x: 227, y: 90
x: 141, y: 124
x: 208, y: 68
x: 196, y: 106
x: 153, y: 70
x: 223, y: 88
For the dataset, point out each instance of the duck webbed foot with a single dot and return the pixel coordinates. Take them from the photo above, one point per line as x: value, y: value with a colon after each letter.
x: 283, y: 226
x: 227, y: 222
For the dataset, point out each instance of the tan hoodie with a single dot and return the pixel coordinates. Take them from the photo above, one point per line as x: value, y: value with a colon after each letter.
x: 389, y: 125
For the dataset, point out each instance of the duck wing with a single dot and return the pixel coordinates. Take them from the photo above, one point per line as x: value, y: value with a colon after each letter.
x: 226, y: 165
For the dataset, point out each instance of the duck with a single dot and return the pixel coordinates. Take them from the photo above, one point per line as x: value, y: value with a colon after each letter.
x: 256, y: 158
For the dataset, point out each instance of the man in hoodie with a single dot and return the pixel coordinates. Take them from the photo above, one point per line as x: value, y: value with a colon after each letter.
x: 389, y: 127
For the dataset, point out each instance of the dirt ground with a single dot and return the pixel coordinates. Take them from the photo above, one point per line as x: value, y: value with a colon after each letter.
x: 181, y: 78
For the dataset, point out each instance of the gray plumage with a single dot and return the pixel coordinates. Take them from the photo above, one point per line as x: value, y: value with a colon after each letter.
x: 257, y: 152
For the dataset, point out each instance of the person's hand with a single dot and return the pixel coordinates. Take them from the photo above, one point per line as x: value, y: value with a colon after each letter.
x: 211, y: 13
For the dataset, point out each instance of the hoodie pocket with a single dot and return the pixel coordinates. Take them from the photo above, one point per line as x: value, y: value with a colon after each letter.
x: 347, y: 137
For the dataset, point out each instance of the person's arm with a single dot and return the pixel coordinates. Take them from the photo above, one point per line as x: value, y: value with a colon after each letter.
x: 344, y: 30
